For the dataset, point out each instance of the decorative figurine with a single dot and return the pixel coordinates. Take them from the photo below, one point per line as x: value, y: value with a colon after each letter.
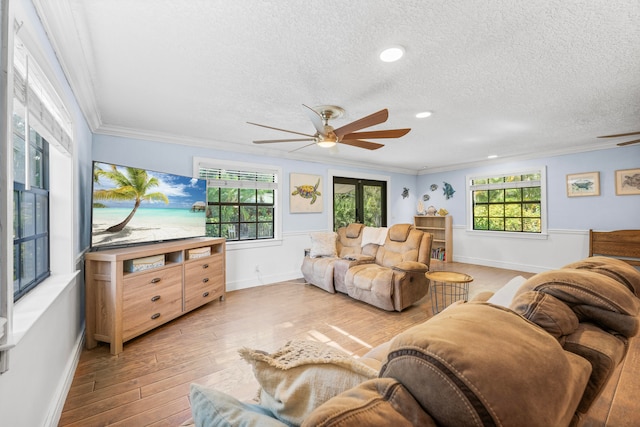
x: 420, y: 207
x: 431, y: 211
x: 448, y: 190
x: 443, y: 212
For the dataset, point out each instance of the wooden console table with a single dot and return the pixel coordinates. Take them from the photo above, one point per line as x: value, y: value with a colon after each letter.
x: 122, y: 304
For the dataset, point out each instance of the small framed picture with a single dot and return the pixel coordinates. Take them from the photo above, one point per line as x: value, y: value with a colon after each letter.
x: 627, y: 182
x: 583, y: 184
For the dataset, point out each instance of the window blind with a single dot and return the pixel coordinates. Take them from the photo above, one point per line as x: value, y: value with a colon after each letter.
x: 219, y: 177
x: 35, y: 93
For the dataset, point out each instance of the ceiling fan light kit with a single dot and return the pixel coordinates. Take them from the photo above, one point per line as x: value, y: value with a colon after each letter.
x: 326, y: 136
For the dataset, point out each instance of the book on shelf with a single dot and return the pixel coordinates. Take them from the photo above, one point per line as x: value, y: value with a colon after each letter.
x: 439, y: 254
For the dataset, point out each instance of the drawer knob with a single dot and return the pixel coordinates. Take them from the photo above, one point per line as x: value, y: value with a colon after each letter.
x: 205, y: 280
x: 155, y: 298
x: 206, y: 294
x: 205, y: 265
x: 155, y: 316
x: 155, y: 280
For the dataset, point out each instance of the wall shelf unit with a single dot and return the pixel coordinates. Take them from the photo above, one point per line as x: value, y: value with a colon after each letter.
x: 173, y: 279
x: 440, y: 227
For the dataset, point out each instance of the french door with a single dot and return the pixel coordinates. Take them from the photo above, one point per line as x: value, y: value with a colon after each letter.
x: 359, y: 200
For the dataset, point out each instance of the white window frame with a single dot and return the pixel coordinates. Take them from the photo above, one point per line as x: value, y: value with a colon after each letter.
x: 206, y: 162
x: 23, y: 314
x: 513, y: 234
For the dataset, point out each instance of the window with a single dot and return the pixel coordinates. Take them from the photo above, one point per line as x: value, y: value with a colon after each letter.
x: 30, y: 209
x: 241, y: 203
x: 508, y: 203
x: 40, y: 121
x: 359, y: 200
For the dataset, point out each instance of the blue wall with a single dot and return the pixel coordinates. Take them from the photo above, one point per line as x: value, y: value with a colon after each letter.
x: 604, y: 212
x: 178, y: 159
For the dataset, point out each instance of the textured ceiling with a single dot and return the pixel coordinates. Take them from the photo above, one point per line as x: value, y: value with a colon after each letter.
x: 515, y: 78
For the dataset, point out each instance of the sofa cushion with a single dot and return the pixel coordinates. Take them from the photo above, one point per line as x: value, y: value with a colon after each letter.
x: 302, y: 375
x: 354, y: 230
x: 399, y: 232
x: 505, y: 294
x: 379, y: 402
x: 478, y: 359
x: 546, y: 311
x: 594, y: 297
x: 612, y: 267
x: 210, y: 407
x: 323, y: 244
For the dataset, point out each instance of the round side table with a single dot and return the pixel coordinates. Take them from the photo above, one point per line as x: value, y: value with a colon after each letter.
x: 447, y: 287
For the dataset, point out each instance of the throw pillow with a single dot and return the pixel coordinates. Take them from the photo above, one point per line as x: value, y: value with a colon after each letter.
x: 211, y: 407
x: 303, y: 375
x: 323, y: 244
x: 504, y: 295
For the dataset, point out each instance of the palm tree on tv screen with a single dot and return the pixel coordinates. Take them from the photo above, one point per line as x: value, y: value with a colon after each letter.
x: 132, y: 186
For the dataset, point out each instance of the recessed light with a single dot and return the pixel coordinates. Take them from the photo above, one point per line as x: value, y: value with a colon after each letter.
x: 392, y: 54
x: 424, y: 114
x: 492, y: 156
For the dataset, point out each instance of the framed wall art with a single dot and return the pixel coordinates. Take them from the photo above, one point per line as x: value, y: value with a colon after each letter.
x: 627, y: 182
x: 583, y: 184
x: 305, y: 193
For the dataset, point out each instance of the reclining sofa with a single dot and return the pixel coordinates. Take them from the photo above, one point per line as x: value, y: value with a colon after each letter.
x: 538, y: 352
x: 387, y: 272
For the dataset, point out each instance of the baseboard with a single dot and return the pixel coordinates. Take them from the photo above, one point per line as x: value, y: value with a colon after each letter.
x: 501, y: 264
x: 57, y: 405
x: 262, y: 280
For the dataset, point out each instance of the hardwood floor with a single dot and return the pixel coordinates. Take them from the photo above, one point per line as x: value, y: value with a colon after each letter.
x: 148, y: 384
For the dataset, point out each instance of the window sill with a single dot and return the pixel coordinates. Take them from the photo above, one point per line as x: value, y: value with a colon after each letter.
x: 33, y: 305
x: 510, y: 235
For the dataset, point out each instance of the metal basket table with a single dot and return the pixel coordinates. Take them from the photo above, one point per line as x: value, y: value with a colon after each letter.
x: 446, y: 288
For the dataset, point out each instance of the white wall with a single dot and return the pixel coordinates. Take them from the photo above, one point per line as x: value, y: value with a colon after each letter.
x: 48, y: 323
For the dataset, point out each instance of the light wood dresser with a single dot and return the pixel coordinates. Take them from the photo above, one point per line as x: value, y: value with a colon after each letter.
x: 130, y: 292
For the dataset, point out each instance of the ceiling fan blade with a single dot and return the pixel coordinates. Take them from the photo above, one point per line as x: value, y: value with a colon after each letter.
x: 362, y: 144
x: 370, y: 120
x: 620, y: 134
x: 300, y: 148
x: 622, y: 144
x: 316, y: 119
x: 283, y: 130
x: 390, y: 133
x: 269, y: 141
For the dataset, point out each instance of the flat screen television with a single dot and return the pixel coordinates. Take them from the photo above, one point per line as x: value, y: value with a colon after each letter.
x: 132, y: 206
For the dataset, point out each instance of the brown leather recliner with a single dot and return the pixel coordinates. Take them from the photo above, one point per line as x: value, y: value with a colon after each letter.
x: 396, y: 279
x: 319, y: 271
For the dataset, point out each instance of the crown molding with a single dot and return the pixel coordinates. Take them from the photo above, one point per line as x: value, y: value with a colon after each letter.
x: 63, y: 29
x: 260, y: 151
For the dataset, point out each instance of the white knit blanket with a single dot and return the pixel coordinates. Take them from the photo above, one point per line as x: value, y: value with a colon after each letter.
x: 375, y: 235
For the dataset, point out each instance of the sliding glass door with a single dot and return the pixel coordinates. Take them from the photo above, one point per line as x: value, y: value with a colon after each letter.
x: 359, y: 200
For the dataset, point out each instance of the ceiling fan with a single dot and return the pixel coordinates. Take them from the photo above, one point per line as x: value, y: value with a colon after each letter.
x: 622, y: 144
x: 326, y: 136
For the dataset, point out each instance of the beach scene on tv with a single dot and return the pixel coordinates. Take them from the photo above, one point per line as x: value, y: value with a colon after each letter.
x: 132, y: 206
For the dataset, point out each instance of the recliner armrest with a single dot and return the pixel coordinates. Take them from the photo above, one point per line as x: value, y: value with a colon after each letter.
x: 411, y: 267
x: 359, y: 257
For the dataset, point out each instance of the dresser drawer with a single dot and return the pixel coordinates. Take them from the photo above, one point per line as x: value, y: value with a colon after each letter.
x: 203, y: 281
x: 150, y: 299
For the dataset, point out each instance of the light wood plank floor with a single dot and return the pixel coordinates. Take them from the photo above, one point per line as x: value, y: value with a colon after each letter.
x: 148, y: 384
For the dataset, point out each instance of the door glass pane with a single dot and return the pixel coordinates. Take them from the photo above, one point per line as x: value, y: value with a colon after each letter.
x: 372, y: 205
x: 344, y: 205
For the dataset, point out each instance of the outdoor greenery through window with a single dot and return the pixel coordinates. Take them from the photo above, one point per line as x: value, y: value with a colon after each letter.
x: 511, y: 203
x: 240, y: 204
x: 30, y: 209
x: 359, y: 200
